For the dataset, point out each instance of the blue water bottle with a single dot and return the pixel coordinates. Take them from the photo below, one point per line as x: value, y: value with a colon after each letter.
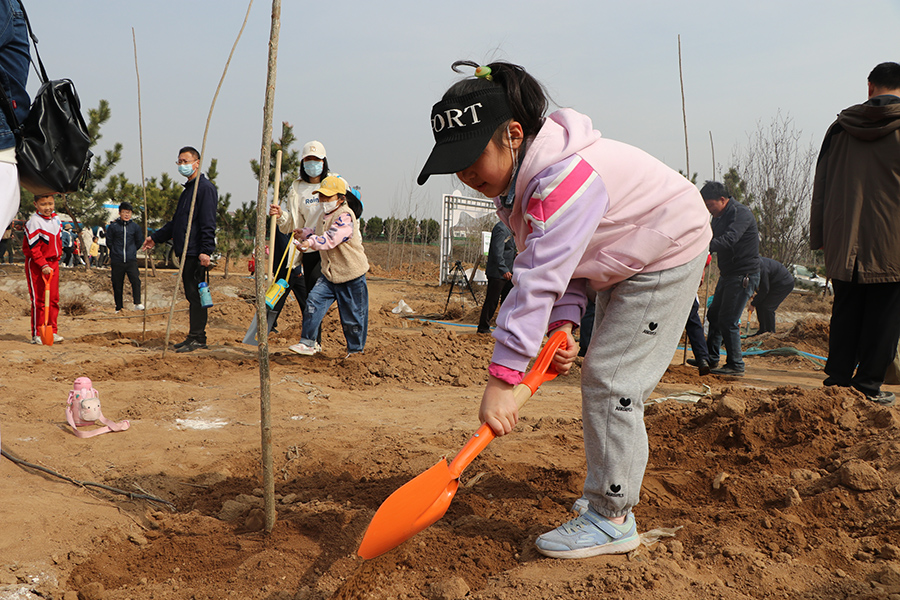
x: 205, y: 297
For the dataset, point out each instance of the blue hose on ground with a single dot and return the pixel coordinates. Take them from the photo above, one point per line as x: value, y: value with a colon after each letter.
x: 783, y: 351
x: 753, y: 351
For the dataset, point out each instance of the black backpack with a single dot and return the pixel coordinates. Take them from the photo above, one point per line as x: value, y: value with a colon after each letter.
x: 52, y: 144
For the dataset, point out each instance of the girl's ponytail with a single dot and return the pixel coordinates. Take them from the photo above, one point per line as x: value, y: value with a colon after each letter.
x: 526, y: 97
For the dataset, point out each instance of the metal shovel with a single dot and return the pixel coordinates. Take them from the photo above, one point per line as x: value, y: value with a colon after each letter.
x: 425, y: 499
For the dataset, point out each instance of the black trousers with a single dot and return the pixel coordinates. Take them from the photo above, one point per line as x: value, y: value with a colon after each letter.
x: 767, y: 305
x: 118, y: 271
x: 497, y: 290
x: 297, y: 286
x: 694, y: 328
x: 865, y: 329
x: 191, y: 277
x: 312, y: 270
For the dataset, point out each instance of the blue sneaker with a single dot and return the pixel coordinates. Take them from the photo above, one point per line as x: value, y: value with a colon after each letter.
x: 589, y: 534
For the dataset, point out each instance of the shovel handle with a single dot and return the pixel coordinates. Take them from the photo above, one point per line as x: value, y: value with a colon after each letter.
x: 540, y: 372
x: 47, y: 279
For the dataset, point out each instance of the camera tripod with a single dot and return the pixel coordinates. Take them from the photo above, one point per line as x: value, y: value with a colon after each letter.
x: 455, y: 275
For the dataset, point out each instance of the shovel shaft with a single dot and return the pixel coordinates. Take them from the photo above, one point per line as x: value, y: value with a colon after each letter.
x: 47, y: 280
x: 484, y: 436
x: 274, y: 219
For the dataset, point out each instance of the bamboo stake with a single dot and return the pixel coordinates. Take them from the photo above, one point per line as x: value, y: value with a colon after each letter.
x: 687, y: 156
x: 273, y: 220
x: 262, y: 193
x: 187, y: 234
x: 712, y: 147
x: 143, y: 187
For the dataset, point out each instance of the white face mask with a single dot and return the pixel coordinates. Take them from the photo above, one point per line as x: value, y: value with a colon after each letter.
x: 330, y: 206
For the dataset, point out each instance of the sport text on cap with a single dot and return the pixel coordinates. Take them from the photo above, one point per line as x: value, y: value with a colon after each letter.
x: 462, y: 127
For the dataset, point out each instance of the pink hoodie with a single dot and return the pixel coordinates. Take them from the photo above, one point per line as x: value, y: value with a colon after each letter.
x: 588, y: 211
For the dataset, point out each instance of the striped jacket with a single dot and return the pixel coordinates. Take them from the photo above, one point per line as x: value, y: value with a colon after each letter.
x: 43, y: 239
x: 588, y: 211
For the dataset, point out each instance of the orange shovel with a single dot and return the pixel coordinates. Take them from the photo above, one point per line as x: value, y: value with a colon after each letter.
x: 425, y: 499
x: 45, y: 330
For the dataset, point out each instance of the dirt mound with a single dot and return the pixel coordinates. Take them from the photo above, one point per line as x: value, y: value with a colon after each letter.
x: 14, y: 305
x: 781, y: 491
x: 808, y: 335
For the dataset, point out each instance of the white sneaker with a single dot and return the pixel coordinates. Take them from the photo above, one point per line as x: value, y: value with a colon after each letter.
x: 36, y: 340
x: 305, y: 350
x: 57, y: 338
x: 589, y: 534
x: 138, y: 307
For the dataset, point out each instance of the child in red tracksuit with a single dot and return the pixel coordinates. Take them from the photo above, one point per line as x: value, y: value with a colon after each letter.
x: 42, y: 247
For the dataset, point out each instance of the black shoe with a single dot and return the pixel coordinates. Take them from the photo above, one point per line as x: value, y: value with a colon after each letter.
x: 184, y: 343
x: 728, y: 370
x: 702, y: 365
x: 190, y: 346
x: 883, y: 398
x: 712, y: 364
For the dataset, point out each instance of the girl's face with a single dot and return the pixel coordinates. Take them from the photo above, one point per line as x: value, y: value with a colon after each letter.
x: 45, y: 205
x: 490, y: 174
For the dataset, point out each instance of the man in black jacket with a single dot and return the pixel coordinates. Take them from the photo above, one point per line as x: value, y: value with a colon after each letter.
x: 201, y: 243
x: 854, y: 218
x: 736, y: 245
x: 123, y: 238
x: 775, y: 283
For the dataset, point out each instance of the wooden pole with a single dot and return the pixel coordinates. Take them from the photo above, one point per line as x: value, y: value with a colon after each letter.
x: 143, y: 187
x: 273, y: 221
x: 187, y: 234
x: 262, y: 194
x: 687, y: 155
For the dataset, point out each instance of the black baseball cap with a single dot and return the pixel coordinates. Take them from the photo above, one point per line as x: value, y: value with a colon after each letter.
x: 462, y: 127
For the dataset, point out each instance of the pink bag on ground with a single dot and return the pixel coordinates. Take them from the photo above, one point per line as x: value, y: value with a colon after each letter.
x: 83, y: 410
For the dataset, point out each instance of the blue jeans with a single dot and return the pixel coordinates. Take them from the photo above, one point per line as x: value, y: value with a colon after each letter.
x: 14, y: 62
x: 352, y: 299
x: 724, y: 317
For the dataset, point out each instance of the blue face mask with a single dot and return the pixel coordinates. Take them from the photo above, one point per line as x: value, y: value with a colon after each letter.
x: 313, y: 168
x: 186, y: 170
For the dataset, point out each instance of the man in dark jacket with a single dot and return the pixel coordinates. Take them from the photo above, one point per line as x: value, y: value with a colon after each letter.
x: 200, y: 245
x: 775, y: 283
x: 123, y: 238
x: 499, y: 270
x: 855, y: 218
x: 736, y: 245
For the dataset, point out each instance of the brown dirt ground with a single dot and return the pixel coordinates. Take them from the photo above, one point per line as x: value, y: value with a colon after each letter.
x: 765, y: 487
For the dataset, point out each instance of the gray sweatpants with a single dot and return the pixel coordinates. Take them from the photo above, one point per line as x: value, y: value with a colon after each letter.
x: 636, y: 331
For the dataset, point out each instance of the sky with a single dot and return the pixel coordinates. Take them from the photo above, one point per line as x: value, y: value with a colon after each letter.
x: 361, y: 76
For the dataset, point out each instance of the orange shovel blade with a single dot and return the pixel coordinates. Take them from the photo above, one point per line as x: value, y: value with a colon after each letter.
x: 409, y: 510
x: 421, y: 502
